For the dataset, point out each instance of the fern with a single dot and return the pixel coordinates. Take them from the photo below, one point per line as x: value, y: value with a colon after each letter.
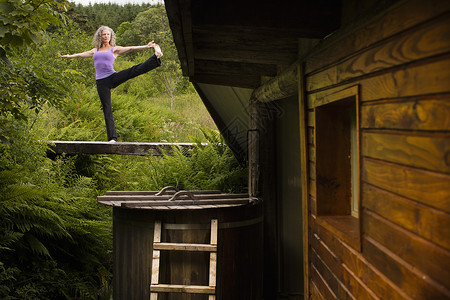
x: 51, y: 225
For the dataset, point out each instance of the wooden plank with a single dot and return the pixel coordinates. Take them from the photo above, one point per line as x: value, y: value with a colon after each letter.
x: 310, y: 131
x: 213, y: 256
x: 213, y: 237
x: 244, y: 81
x: 412, y: 81
x: 156, y: 254
x: 348, y: 280
x: 304, y: 174
x: 312, y: 153
x: 312, y: 206
x: 186, y: 23
x: 420, y: 151
x: 174, y: 17
x: 418, y: 43
x: 234, y: 68
x: 312, y: 170
x: 322, y: 285
x: 156, y: 259
x: 409, y: 248
x: 299, y: 17
x: 312, y: 188
x: 327, y: 275
x: 183, y: 203
x: 427, y: 222
x: 427, y: 40
x: 184, y: 247
x: 406, y: 277
x: 180, y: 195
x: 243, y: 46
x: 398, y: 18
x: 348, y: 92
x: 402, y: 82
x: 282, y: 86
x: 311, y: 119
x: 132, y: 254
x: 375, y: 281
x: 423, y: 186
x: 345, y: 227
x: 169, y: 192
x: 178, y: 288
x: 122, y: 148
x: 424, y: 113
x: 315, y: 293
x: 212, y: 269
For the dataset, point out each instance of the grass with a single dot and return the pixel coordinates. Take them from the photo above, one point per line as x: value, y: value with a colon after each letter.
x: 138, y: 119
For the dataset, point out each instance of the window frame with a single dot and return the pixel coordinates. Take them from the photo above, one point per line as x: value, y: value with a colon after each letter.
x: 345, y: 223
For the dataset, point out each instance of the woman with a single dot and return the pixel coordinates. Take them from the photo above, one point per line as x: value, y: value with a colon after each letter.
x: 104, y: 54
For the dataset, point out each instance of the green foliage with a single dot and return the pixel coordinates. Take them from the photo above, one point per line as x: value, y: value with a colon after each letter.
x: 208, y: 166
x: 23, y: 21
x: 149, y: 25
x: 23, y: 85
x: 29, y: 84
x: 109, y: 14
x: 55, y: 240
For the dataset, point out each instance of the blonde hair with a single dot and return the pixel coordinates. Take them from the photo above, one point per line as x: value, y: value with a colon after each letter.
x: 97, y: 40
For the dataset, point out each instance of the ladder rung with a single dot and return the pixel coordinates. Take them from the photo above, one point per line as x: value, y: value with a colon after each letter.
x: 175, y: 288
x: 185, y: 247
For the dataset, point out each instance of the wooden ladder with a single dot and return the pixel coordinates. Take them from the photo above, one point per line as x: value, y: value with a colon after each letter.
x: 156, y: 287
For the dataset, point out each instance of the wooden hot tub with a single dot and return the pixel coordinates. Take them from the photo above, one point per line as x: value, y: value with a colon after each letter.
x: 186, y: 218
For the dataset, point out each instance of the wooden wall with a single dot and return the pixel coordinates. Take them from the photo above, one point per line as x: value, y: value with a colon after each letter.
x: 399, y: 62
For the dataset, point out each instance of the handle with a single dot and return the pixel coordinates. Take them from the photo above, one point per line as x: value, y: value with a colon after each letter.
x: 164, y: 190
x: 182, y: 193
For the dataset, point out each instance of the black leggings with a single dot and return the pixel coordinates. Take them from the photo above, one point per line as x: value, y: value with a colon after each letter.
x: 105, y: 85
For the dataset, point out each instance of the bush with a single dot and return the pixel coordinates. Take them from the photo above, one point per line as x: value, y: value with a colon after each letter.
x: 55, y: 240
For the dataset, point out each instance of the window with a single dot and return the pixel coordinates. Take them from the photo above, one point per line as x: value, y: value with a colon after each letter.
x: 337, y: 164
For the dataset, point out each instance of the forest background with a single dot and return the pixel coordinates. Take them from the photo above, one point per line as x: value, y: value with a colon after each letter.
x: 55, y: 239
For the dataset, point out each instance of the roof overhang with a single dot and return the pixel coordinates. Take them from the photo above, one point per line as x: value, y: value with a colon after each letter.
x: 229, y: 48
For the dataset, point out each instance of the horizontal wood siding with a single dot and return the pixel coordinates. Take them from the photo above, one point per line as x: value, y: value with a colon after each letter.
x: 400, y: 63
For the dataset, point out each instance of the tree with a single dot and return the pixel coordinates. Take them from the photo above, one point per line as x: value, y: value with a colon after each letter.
x: 23, y: 24
x: 153, y: 24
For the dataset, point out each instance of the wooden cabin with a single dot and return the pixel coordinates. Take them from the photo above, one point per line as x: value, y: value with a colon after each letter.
x: 342, y: 111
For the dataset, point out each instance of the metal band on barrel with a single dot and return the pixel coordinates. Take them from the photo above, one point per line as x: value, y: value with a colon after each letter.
x: 224, y: 225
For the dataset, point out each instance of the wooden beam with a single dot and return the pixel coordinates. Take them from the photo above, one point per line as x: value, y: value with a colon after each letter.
x: 239, y: 44
x: 174, y: 16
x: 317, y: 17
x: 122, y: 148
x: 249, y: 31
x: 228, y: 80
x: 186, y: 21
x: 304, y: 178
x: 234, y: 68
x: 185, y: 247
x: 178, y: 288
x: 282, y: 86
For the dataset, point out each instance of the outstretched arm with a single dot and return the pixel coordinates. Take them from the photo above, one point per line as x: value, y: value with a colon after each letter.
x: 121, y: 50
x: 86, y: 54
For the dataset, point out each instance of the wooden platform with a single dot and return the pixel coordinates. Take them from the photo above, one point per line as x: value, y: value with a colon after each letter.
x: 121, y: 148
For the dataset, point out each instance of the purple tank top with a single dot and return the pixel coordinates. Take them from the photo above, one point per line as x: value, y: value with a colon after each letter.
x: 103, y: 63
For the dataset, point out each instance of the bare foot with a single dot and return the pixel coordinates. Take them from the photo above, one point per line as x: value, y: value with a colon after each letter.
x: 158, y: 51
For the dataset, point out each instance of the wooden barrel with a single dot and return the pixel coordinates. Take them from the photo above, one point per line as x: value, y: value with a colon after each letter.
x: 239, y: 246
